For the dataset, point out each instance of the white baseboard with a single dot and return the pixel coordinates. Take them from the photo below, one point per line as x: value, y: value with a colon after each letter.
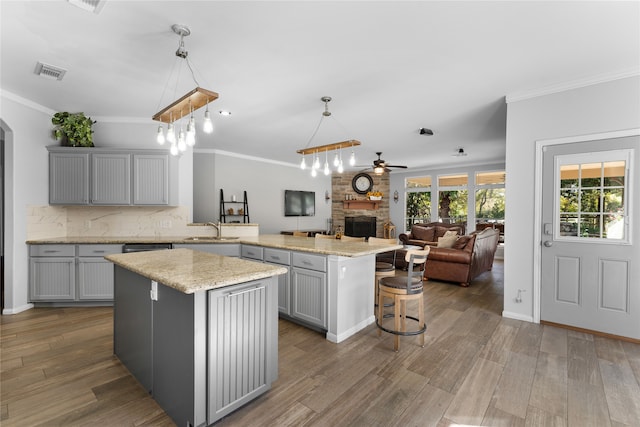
x: 17, y: 310
x: 351, y: 331
x: 517, y: 316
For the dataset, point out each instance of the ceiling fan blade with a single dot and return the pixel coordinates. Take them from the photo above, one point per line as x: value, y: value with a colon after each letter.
x: 396, y: 166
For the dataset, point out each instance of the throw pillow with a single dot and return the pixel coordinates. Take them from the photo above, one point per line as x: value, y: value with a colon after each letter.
x: 461, y: 242
x: 423, y: 233
x: 447, y: 241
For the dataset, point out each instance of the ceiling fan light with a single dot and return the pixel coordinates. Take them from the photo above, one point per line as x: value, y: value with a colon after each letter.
x: 378, y: 170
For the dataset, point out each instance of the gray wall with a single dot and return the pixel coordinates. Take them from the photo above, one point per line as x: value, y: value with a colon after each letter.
x: 264, y: 181
x: 599, y: 108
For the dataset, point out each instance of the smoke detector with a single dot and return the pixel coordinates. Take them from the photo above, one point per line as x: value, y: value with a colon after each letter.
x: 460, y: 153
x: 49, y: 71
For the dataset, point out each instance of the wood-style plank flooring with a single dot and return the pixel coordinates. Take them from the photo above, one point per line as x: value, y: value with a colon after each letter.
x: 477, y: 368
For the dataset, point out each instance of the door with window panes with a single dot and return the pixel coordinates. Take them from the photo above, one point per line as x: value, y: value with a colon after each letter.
x: 590, y: 266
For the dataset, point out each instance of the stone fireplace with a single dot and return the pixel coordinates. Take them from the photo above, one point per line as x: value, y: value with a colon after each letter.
x: 342, y: 191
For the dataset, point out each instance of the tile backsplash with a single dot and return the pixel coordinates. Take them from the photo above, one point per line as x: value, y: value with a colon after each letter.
x: 116, y: 221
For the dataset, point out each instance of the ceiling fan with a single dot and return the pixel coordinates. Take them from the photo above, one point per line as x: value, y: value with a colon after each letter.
x: 380, y: 166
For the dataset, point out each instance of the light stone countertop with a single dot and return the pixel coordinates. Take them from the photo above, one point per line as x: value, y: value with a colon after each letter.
x: 190, y: 271
x: 279, y: 241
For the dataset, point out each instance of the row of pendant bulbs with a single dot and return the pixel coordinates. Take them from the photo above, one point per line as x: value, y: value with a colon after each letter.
x: 185, y: 138
x: 337, y: 162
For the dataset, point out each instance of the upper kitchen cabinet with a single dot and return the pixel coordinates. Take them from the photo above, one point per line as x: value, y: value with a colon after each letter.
x: 112, y: 177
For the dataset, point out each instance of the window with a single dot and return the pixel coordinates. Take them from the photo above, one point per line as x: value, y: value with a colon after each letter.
x: 591, y: 200
x: 418, y: 208
x: 452, y: 198
x: 490, y: 201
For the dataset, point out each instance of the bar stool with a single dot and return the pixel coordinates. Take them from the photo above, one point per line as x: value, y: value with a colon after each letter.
x: 351, y: 239
x: 301, y: 234
x: 385, y: 266
x: 401, y: 290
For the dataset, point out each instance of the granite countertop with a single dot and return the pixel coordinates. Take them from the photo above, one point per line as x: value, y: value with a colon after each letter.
x: 190, y: 271
x: 279, y: 241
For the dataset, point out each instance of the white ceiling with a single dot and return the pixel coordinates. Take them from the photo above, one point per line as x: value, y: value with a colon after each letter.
x: 391, y: 67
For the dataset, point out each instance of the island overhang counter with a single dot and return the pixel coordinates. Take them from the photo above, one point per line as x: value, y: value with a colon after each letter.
x: 199, y: 331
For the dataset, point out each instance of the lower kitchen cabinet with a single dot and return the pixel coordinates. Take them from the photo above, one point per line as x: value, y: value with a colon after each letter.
x: 71, y: 273
x: 309, y: 296
x: 281, y: 258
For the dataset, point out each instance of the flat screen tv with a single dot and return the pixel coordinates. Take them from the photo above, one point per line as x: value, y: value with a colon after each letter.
x: 299, y: 203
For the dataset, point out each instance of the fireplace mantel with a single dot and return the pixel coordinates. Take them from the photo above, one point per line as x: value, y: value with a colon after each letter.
x: 361, y: 204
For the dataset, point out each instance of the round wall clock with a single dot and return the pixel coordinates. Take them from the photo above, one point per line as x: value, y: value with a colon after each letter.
x: 362, y: 183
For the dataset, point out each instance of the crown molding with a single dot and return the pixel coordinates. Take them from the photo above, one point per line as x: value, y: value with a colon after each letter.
x: 244, y: 156
x: 573, y: 84
x: 26, y: 102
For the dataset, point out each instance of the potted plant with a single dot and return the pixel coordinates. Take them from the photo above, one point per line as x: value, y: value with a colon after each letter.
x: 73, y: 129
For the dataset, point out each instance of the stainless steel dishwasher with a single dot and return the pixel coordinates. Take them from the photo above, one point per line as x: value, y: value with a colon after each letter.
x: 142, y: 247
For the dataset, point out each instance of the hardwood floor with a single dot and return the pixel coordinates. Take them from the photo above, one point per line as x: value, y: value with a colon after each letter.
x: 476, y: 368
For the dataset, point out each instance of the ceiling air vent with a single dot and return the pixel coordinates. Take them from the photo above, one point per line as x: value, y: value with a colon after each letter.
x: 49, y: 71
x: 94, y: 6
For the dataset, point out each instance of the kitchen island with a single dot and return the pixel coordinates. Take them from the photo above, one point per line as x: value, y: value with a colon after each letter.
x: 199, y: 331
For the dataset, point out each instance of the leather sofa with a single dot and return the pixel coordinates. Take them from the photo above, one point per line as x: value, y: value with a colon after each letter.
x: 470, y: 256
x: 427, y: 233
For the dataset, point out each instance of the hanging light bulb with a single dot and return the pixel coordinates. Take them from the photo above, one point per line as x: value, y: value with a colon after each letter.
x: 336, y: 160
x: 352, y: 158
x: 303, y: 163
x: 340, y: 167
x: 171, y: 133
x: 313, y: 172
x: 207, y: 124
x: 327, y: 171
x: 316, y: 162
x: 182, y: 140
x: 174, y: 149
x: 160, y: 137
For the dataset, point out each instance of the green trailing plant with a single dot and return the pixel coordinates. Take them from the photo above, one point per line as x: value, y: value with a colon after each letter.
x: 74, y: 129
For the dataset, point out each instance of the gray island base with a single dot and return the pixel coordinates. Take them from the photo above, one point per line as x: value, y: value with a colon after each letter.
x: 199, y: 331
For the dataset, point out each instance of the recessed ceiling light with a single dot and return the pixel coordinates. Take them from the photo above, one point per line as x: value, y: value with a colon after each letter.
x: 460, y: 153
x: 225, y: 113
x: 425, y: 131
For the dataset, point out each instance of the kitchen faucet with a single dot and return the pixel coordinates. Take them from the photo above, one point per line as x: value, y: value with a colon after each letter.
x: 216, y: 226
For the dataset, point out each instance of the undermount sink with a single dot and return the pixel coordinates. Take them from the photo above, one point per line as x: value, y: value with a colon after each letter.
x: 209, y: 238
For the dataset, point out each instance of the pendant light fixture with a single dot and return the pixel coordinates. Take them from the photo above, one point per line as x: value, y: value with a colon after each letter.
x: 336, y: 146
x: 184, y: 106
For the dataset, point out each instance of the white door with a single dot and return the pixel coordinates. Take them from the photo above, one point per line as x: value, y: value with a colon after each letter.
x: 590, y: 251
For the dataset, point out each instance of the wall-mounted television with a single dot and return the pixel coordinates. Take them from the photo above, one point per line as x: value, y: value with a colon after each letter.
x: 299, y: 203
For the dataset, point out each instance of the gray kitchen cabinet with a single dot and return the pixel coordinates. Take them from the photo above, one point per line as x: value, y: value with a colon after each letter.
x: 226, y: 249
x: 95, y: 274
x: 251, y: 252
x: 152, y: 180
x: 71, y: 273
x: 68, y: 178
x: 308, y: 297
x: 52, y: 270
x: 281, y: 258
x: 112, y: 177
